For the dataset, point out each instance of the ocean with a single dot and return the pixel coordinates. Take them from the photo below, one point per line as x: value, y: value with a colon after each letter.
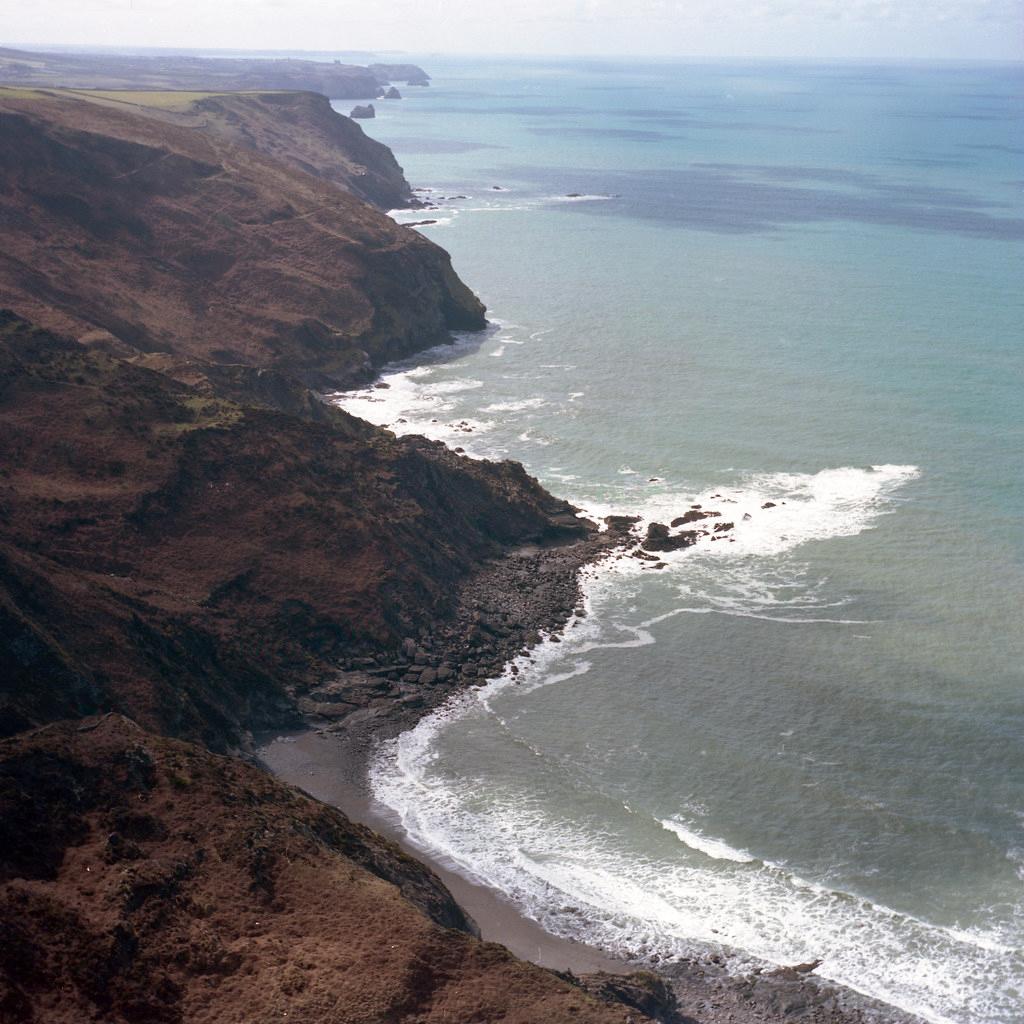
x: 733, y: 285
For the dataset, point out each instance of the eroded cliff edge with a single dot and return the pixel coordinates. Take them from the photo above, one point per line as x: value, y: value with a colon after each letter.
x: 147, y: 880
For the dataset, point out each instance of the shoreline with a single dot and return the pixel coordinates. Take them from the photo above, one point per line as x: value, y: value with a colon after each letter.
x: 332, y: 768
x: 334, y: 772
x: 329, y: 759
x: 500, y: 613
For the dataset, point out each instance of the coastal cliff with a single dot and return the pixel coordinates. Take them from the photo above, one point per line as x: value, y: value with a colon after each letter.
x: 194, y: 546
x: 172, y: 71
x: 190, y: 547
x: 197, y: 229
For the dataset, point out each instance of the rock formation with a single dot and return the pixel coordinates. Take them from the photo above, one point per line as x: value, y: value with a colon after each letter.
x: 411, y: 74
x: 363, y: 113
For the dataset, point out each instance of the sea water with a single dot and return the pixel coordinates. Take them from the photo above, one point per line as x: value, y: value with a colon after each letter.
x: 729, y: 285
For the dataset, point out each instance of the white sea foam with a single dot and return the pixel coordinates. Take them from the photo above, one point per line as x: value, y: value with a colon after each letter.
x: 601, y: 887
x: 713, y: 848
x: 516, y: 406
x: 750, y: 570
x: 625, y: 891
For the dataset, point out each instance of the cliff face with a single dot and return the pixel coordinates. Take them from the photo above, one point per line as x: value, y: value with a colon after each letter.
x: 117, y: 71
x: 411, y: 74
x: 146, y: 880
x: 188, y: 536
x: 185, y: 546
x: 157, y: 229
x: 301, y: 129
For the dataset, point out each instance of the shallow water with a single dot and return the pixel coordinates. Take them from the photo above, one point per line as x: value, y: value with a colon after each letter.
x: 781, y: 283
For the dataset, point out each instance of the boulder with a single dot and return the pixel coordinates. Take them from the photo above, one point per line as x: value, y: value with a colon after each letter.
x: 659, y: 539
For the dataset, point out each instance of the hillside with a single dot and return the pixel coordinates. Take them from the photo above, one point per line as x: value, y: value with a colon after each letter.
x: 172, y: 71
x: 192, y: 547
x: 145, y: 880
x: 205, y: 233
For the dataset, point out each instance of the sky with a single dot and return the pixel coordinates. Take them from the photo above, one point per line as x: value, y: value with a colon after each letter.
x: 815, y: 29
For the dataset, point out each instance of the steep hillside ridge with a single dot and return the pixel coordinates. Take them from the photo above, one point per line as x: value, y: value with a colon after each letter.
x: 180, y: 549
x: 159, y: 71
x: 124, y: 223
x: 143, y: 879
x: 302, y: 129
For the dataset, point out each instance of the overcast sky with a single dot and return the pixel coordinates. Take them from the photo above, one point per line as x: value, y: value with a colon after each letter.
x: 791, y: 28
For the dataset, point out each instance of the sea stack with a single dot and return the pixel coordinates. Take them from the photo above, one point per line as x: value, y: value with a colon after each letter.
x: 363, y: 112
x: 392, y: 94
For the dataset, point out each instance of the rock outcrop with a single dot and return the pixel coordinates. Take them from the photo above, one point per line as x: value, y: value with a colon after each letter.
x: 364, y: 113
x: 411, y: 74
x: 196, y: 233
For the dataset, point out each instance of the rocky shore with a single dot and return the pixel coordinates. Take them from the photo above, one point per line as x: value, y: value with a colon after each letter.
x: 503, y: 608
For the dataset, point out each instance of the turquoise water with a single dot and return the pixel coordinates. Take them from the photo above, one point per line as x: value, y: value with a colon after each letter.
x: 785, y: 283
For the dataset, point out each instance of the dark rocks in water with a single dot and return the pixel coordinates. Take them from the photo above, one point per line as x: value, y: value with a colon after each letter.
x: 659, y: 539
x: 768, y: 504
x: 381, y: 385
x: 621, y: 524
x: 723, y: 527
x: 573, y: 195
x: 693, y: 516
x: 392, y: 94
x: 747, y: 516
x: 363, y: 112
x: 419, y: 223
